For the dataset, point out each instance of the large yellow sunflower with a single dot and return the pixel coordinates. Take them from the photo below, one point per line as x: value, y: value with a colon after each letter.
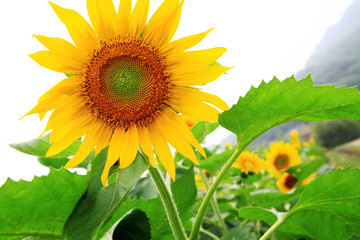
x: 281, y: 157
x: 248, y: 161
x: 129, y: 84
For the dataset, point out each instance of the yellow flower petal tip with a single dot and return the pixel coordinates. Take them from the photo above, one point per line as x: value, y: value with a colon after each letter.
x: 126, y: 78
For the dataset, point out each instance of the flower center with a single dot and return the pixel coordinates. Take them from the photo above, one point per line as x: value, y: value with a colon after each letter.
x: 125, y: 82
x: 290, y: 181
x: 249, y: 165
x: 281, y: 162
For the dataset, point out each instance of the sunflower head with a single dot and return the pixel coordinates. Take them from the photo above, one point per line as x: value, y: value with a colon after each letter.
x: 281, y: 157
x: 286, y: 182
x: 130, y: 84
x: 249, y: 162
x: 295, y: 139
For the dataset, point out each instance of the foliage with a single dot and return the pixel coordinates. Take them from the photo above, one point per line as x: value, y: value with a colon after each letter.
x: 242, y: 205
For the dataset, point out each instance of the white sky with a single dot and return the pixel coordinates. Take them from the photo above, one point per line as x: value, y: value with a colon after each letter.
x: 264, y: 39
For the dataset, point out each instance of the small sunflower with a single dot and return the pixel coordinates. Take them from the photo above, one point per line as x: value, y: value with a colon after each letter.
x: 286, y: 182
x: 248, y: 161
x: 295, y: 139
x: 129, y: 84
x: 281, y: 157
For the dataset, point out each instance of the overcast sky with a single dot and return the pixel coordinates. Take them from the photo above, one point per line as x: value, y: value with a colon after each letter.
x: 264, y: 39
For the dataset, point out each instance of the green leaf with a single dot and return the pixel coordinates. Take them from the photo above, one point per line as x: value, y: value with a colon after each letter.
x: 329, y: 206
x: 240, y: 233
x: 134, y: 226
x: 214, y: 162
x: 276, y: 102
x: 39, y: 147
x: 268, y: 199
x: 100, y: 203
x: 202, y: 129
x: 39, y: 208
x: 257, y: 213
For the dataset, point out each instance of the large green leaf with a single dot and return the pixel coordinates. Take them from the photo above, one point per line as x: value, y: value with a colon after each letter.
x: 276, y: 102
x: 202, y: 129
x: 215, y: 161
x: 257, y: 213
x: 41, y: 207
x: 39, y: 147
x: 329, y: 206
x: 268, y: 199
x: 99, y: 203
x: 240, y: 233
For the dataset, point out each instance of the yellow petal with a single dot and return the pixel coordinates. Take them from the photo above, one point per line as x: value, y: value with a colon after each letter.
x: 123, y: 17
x: 171, y: 134
x: 193, y: 61
x: 103, y: 138
x: 206, y: 75
x: 187, y: 94
x: 195, y: 109
x: 86, y: 147
x: 56, y: 62
x: 103, y: 17
x: 68, y: 86
x: 139, y: 16
x: 62, y: 47
x: 79, y: 29
x: 129, y: 148
x: 113, y: 153
x: 161, y: 25
x: 145, y: 144
x: 184, y: 130
x: 185, y: 43
x: 162, y: 150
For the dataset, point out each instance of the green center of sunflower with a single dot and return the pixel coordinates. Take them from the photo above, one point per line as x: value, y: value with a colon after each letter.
x: 125, y: 82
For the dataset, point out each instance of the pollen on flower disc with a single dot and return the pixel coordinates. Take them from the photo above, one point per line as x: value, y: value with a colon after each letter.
x: 125, y: 82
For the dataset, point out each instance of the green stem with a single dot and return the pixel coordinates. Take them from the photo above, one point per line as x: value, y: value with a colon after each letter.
x: 214, y: 204
x: 210, y: 193
x: 270, y: 231
x: 210, y: 234
x: 169, y: 205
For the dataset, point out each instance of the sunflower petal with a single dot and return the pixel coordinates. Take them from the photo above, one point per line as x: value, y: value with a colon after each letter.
x: 103, y: 17
x: 204, y: 76
x: 161, y: 25
x: 185, y: 43
x: 124, y: 17
x: 56, y: 62
x: 171, y: 134
x: 162, y: 150
x: 187, y: 94
x: 61, y: 47
x: 139, y: 16
x: 113, y: 153
x: 79, y: 29
x: 145, y: 144
x: 129, y: 147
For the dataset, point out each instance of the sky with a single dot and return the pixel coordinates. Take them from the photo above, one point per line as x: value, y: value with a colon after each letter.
x: 264, y: 39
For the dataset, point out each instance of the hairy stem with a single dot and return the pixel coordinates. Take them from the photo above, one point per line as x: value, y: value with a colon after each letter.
x: 169, y: 205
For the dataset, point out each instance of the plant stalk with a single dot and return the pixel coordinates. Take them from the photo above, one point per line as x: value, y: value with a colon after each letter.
x: 210, y: 193
x: 214, y: 204
x: 169, y: 205
x: 271, y: 230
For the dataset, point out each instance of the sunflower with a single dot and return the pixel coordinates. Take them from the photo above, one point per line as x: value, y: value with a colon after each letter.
x: 128, y: 84
x: 281, y: 157
x: 247, y: 162
x: 286, y: 182
x: 308, y: 180
x: 295, y: 139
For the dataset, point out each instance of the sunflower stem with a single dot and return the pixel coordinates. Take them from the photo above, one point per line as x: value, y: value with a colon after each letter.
x: 270, y: 231
x: 210, y: 193
x: 214, y: 204
x: 169, y: 205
